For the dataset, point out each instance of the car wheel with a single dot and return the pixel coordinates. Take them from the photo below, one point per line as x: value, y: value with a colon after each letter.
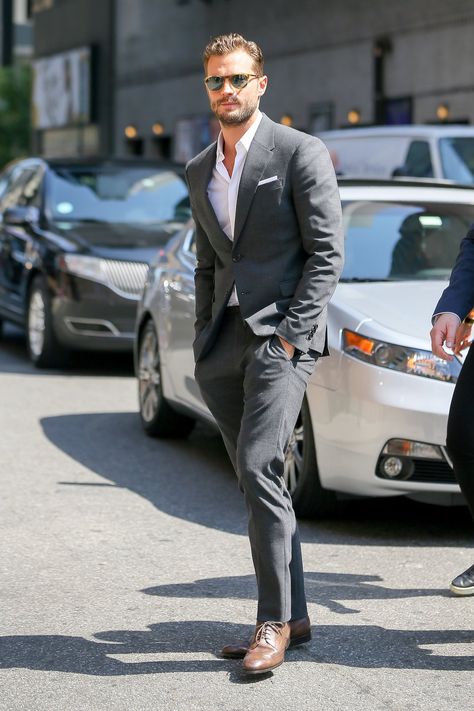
x: 157, y: 416
x: 43, y: 347
x: 301, y: 474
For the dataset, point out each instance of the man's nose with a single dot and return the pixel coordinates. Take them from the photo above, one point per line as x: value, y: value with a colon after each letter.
x: 227, y: 87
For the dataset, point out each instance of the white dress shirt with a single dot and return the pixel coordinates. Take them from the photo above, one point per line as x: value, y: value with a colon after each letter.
x: 223, y: 188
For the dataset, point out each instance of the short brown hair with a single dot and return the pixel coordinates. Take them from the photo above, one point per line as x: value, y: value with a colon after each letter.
x: 225, y: 44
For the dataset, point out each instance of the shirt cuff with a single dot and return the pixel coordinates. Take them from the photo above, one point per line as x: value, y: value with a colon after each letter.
x: 436, y: 316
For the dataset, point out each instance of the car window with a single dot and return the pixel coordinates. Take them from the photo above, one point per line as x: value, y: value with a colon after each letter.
x: 23, y: 188
x: 457, y: 158
x: 398, y: 241
x: 31, y: 187
x: 12, y: 191
x: 190, y: 242
x: 117, y: 195
x: 418, y: 160
x: 5, y: 179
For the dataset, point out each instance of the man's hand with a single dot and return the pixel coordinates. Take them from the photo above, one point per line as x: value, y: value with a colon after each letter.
x: 463, y: 338
x: 444, y: 331
x: 289, y: 348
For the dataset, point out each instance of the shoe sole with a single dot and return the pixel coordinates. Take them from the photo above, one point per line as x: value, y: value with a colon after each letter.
x: 237, y: 655
x: 461, y: 591
x: 293, y: 643
x: 254, y: 672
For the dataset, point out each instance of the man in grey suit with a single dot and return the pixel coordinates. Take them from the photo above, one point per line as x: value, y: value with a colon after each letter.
x: 269, y: 246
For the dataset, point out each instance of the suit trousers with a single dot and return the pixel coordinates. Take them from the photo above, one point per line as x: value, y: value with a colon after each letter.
x: 255, y: 392
x: 460, y: 440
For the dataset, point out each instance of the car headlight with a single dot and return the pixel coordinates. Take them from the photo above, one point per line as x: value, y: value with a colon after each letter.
x: 87, y: 267
x: 400, y: 358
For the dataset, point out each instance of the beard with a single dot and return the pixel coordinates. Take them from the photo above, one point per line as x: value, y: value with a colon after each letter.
x: 237, y: 116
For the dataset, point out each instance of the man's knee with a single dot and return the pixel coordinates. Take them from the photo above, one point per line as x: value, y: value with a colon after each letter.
x: 259, y: 470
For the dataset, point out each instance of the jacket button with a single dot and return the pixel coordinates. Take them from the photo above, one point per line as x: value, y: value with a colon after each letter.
x: 236, y: 257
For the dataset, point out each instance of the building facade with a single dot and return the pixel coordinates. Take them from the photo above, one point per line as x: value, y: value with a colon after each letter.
x: 329, y: 64
x: 73, y: 77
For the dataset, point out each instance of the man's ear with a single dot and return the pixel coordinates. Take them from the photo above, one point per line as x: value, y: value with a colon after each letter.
x: 262, y: 85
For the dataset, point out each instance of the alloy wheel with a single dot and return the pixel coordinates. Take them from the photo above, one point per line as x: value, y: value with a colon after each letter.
x: 36, y: 323
x: 294, y: 457
x: 149, y: 376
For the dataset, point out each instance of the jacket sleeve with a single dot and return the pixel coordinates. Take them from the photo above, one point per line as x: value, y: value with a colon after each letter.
x: 204, y: 271
x: 318, y: 210
x: 203, y: 278
x: 458, y: 297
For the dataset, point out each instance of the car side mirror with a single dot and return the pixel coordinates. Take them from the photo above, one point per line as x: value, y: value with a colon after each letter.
x: 21, y: 216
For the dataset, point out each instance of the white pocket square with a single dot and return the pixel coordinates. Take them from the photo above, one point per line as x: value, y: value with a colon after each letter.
x: 268, y: 180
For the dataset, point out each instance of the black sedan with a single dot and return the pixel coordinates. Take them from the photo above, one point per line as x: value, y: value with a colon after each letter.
x: 76, y: 238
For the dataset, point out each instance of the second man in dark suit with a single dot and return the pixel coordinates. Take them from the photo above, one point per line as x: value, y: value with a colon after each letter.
x: 452, y: 326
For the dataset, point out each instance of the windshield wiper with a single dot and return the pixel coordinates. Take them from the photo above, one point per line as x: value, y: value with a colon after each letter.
x: 89, y: 220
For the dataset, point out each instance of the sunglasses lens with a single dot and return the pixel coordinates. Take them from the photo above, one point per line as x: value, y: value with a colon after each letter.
x: 239, y: 80
x: 214, y: 83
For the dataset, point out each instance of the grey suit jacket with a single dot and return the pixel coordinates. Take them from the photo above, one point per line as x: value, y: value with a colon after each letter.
x: 287, y: 252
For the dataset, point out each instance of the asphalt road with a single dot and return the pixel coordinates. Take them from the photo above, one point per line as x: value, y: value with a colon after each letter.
x: 124, y: 566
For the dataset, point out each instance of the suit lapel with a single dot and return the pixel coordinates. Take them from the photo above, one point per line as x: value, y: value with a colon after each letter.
x: 258, y: 156
x: 206, y: 169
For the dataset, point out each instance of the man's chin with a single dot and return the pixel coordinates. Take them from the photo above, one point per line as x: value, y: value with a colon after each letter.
x: 230, y: 116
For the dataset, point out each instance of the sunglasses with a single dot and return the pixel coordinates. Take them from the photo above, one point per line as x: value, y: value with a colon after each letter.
x: 238, y: 81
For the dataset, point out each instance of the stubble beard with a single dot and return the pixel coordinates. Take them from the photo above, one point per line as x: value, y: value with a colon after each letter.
x: 239, y: 115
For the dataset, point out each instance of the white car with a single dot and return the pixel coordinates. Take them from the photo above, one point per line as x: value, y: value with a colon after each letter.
x: 373, y: 422
x: 421, y: 151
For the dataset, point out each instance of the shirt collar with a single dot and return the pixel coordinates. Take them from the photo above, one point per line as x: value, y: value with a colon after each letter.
x: 244, y: 142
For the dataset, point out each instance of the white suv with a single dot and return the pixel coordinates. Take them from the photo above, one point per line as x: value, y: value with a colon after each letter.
x: 442, y: 152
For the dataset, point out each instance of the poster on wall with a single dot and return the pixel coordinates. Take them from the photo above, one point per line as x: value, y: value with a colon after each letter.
x: 61, y: 89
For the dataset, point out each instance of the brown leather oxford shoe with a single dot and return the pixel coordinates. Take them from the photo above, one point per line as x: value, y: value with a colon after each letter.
x: 300, y: 632
x: 267, y: 650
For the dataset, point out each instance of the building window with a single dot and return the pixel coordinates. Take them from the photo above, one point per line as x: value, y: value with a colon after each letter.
x: 321, y: 117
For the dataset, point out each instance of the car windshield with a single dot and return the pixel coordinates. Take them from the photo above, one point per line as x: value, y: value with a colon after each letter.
x: 118, y: 194
x: 401, y: 242
x: 457, y: 158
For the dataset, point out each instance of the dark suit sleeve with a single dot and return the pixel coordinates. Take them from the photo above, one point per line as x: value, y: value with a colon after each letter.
x: 204, y: 271
x: 458, y: 297
x: 318, y: 210
x: 203, y: 278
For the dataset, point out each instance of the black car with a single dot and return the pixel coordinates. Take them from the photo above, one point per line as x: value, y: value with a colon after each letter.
x: 76, y: 238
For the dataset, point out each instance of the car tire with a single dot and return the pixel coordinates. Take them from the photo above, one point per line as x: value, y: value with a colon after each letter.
x: 301, y: 474
x: 44, y: 349
x: 157, y: 416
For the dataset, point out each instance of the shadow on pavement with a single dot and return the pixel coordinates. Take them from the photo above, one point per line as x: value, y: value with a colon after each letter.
x: 322, y: 588
x: 119, y: 652
x: 193, y: 479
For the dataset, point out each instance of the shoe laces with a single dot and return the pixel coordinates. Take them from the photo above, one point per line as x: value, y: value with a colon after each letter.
x: 264, y: 632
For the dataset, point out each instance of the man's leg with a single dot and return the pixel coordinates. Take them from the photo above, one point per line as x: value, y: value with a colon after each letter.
x: 274, y: 387
x: 460, y: 443
x: 220, y: 379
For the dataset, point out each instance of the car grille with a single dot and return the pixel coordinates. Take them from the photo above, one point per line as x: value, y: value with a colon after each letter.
x: 432, y: 472
x: 126, y: 278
